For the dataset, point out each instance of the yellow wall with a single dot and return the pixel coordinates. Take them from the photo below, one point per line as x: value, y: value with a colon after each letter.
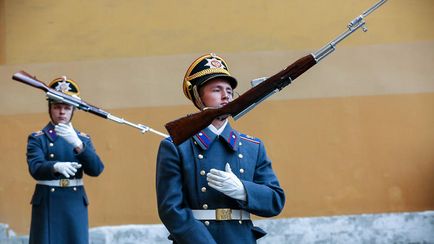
x: 53, y: 31
x: 2, y: 33
x: 352, y: 135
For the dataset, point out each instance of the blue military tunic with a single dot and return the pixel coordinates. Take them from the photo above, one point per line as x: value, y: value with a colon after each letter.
x: 182, y: 186
x: 59, y: 214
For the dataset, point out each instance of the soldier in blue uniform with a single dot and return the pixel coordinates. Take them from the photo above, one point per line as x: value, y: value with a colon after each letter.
x: 58, y: 156
x: 209, y: 185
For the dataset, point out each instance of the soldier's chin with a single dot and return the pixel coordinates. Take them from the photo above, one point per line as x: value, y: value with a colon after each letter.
x: 62, y: 121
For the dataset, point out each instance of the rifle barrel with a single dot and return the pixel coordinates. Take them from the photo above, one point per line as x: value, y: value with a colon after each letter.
x: 185, y: 127
x: 26, y: 78
x: 354, y: 25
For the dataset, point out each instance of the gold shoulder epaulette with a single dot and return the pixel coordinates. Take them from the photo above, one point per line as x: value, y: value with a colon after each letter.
x: 250, y: 138
x: 83, y: 134
x: 38, y: 133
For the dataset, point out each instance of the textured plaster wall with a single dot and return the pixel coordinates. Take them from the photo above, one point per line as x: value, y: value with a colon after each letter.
x: 352, y: 135
x: 416, y: 227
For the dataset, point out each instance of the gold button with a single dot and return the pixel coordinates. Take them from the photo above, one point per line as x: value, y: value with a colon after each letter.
x: 203, y: 189
x: 51, y: 144
x: 240, y: 143
x: 52, y: 189
x: 240, y: 221
x: 195, y: 143
x: 200, y: 134
x: 202, y: 172
x: 205, y: 206
x: 206, y: 222
x: 200, y: 156
x: 51, y: 131
x: 75, y: 188
x: 240, y: 155
x: 51, y: 155
x: 233, y: 136
x: 241, y: 170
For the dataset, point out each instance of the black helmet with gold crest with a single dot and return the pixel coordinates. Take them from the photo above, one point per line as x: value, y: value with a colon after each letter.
x: 203, y: 69
x: 65, y: 85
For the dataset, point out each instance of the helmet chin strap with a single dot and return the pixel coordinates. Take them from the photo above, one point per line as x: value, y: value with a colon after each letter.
x: 197, y: 99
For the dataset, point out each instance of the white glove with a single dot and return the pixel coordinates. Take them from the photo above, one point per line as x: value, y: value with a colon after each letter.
x: 66, y: 168
x: 68, y: 133
x: 227, y: 183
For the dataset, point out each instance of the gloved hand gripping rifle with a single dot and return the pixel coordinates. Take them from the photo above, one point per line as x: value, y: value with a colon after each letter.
x: 28, y: 79
x: 185, y: 127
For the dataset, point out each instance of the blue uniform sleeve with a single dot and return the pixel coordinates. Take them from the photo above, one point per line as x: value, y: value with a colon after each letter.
x: 39, y: 167
x: 91, y: 163
x: 173, y: 210
x: 265, y: 197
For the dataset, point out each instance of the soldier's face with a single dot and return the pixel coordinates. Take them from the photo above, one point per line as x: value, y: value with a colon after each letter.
x: 216, y: 93
x: 61, y: 113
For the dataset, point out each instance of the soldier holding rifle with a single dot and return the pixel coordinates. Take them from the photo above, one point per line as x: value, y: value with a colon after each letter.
x: 58, y: 156
x: 209, y: 185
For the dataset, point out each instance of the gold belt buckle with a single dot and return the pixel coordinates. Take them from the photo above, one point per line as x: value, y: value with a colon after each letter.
x: 64, y: 182
x: 223, y: 214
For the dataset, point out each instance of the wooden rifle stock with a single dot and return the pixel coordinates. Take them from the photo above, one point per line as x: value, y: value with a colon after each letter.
x: 185, y: 127
x: 28, y: 79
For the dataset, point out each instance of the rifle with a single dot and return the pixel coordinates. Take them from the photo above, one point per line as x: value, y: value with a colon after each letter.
x: 183, y: 128
x: 27, y: 79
